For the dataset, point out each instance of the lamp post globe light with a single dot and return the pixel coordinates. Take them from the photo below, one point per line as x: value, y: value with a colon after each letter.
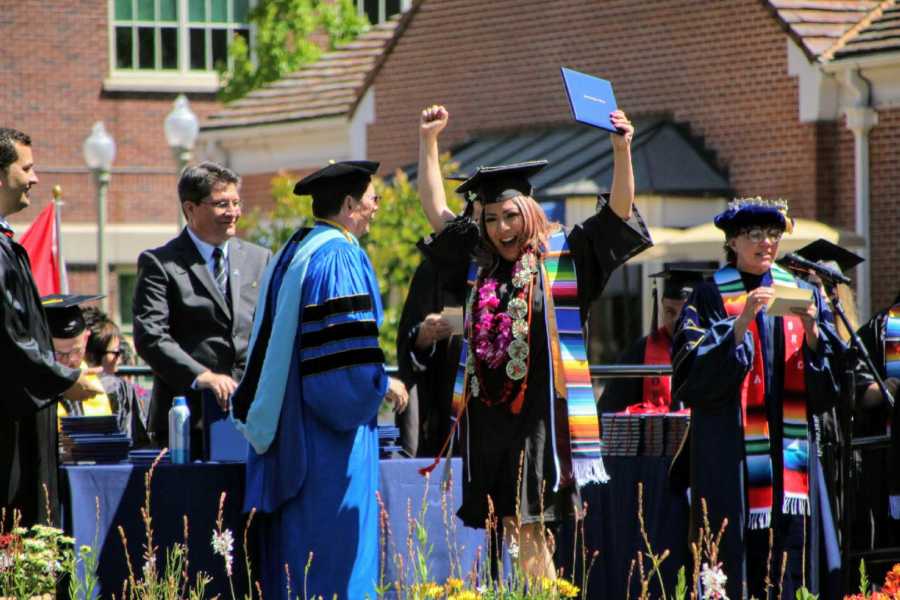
x: 99, y: 152
x: 181, y: 127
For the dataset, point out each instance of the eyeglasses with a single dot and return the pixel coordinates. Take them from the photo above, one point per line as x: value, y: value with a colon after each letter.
x: 224, y: 205
x: 114, y: 353
x: 61, y: 356
x: 758, y: 234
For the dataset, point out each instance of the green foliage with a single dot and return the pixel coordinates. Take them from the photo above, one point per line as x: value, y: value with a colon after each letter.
x: 342, y: 22
x: 681, y: 585
x: 32, y: 560
x: 805, y: 594
x: 282, y: 41
x: 390, y: 244
x: 863, y: 578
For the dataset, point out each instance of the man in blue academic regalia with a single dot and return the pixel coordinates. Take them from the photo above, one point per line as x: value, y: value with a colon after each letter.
x: 309, y: 399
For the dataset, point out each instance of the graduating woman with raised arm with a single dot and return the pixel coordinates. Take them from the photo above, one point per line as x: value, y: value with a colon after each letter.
x: 523, y: 395
x: 753, y: 382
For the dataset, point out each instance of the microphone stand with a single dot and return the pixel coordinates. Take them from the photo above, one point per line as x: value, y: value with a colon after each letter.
x: 848, y: 397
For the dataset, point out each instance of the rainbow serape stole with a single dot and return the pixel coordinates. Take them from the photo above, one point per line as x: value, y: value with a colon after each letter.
x: 757, y: 443
x: 892, y: 342
x: 461, y: 383
x: 571, y: 376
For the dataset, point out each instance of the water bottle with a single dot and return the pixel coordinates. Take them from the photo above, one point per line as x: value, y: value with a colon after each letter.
x: 180, y: 431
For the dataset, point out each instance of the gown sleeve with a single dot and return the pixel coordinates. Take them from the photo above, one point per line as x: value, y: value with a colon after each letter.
x: 708, y: 364
x: 341, y: 363
x: 451, y: 251
x: 602, y: 243
x: 33, y: 368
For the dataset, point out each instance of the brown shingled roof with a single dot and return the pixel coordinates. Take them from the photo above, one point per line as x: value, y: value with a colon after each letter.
x: 881, y: 35
x: 824, y: 29
x: 326, y: 88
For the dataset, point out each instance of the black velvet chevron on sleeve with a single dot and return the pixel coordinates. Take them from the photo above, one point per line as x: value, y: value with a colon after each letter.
x: 341, y: 360
x: 336, y: 306
x: 339, y: 332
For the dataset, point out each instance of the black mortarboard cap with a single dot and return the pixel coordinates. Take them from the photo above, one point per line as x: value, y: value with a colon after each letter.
x: 825, y: 251
x: 678, y: 282
x: 499, y: 183
x: 64, y: 314
x: 344, y: 173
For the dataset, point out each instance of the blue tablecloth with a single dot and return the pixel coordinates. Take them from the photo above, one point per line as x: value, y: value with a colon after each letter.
x: 611, y: 526
x: 176, y: 490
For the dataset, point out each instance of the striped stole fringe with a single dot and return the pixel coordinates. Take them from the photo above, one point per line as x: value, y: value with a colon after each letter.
x: 892, y: 342
x: 795, y: 428
x: 570, y: 375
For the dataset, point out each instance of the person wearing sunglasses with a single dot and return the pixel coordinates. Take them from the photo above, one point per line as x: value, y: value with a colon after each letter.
x: 754, y: 382
x: 105, y: 350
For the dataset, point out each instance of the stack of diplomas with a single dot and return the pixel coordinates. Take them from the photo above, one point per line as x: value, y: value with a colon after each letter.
x: 92, y: 440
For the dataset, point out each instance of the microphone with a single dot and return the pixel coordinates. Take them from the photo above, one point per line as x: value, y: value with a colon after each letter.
x: 824, y: 272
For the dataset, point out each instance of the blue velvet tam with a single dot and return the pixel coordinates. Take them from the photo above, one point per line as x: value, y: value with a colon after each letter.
x: 752, y: 212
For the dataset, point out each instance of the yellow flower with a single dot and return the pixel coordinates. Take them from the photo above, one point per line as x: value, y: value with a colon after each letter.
x: 566, y: 589
x: 465, y: 595
x: 433, y: 590
x: 454, y: 584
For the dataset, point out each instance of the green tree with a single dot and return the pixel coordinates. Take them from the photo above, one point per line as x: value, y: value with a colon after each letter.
x: 391, y: 242
x: 282, y: 41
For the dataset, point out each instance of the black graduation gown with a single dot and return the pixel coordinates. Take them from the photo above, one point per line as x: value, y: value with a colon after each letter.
x: 428, y: 374
x: 495, y: 440
x: 32, y: 382
x: 621, y: 392
x: 875, y: 527
x: 708, y: 368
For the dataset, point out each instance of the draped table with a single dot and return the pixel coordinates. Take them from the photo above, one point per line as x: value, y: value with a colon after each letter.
x: 611, y: 525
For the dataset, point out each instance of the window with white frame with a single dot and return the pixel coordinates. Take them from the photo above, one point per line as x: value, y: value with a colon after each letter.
x: 379, y: 11
x: 174, y: 37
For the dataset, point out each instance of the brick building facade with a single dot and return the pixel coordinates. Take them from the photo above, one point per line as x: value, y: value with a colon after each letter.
x: 56, y: 81
x: 721, y: 67
x: 764, y: 85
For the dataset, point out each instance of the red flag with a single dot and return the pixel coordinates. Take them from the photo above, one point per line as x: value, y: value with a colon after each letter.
x: 41, y: 243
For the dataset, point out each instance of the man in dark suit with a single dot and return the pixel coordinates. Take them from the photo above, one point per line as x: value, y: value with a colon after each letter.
x: 194, y: 301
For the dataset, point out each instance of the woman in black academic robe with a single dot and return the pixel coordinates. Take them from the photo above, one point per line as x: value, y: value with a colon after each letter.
x: 713, y: 355
x: 515, y: 428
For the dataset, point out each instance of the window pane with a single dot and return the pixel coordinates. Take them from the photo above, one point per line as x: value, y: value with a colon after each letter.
x: 371, y: 9
x: 244, y: 33
x: 168, y: 10
x: 197, y: 10
x: 127, y: 283
x: 145, y: 10
x: 392, y: 7
x: 146, y: 48
x: 198, y: 49
x: 219, y: 46
x: 169, y: 48
x: 219, y: 11
x: 124, y: 48
x: 123, y: 10
x: 241, y: 11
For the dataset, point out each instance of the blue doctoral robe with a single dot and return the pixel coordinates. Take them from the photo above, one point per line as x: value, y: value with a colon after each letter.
x: 708, y: 368
x: 317, y: 480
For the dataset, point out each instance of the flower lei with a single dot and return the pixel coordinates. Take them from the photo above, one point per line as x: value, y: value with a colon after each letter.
x: 498, y: 336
